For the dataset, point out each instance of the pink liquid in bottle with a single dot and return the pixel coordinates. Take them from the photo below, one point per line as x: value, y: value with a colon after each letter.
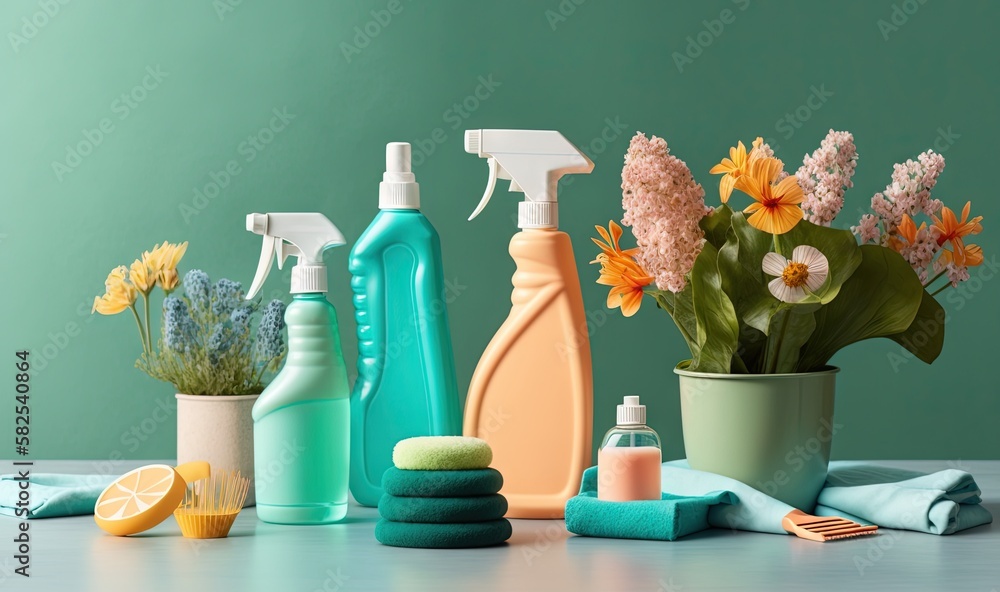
x: 628, y: 462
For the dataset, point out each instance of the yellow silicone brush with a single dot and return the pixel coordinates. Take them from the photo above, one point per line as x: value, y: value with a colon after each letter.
x: 211, y: 505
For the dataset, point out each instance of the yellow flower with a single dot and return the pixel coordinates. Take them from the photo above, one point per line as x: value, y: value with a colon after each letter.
x: 162, y: 262
x: 141, y: 276
x: 118, y: 293
x: 951, y: 230
x: 734, y: 167
x: 167, y: 279
x: 620, y: 271
x: 776, y: 210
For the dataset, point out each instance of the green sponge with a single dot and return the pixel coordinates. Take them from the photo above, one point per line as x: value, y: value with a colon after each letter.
x: 442, y: 536
x: 441, y: 483
x: 442, y: 510
x: 441, y: 453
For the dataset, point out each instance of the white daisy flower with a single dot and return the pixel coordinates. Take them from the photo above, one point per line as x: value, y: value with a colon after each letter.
x: 803, y: 274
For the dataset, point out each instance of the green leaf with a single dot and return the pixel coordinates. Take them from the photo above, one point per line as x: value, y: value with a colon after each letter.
x: 924, y: 337
x: 717, y: 329
x: 716, y: 225
x: 839, y: 246
x: 681, y: 310
x: 744, y: 282
x: 791, y: 328
x: 879, y: 299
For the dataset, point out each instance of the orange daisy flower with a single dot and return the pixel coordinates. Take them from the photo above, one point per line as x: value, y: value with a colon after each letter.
x: 776, y: 209
x: 620, y: 271
x: 951, y: 230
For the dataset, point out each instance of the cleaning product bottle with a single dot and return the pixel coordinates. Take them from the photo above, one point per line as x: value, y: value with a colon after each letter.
x: 302, y: 419
x: 628, y: 461
x: 406, y: 369
x: 531, y: 396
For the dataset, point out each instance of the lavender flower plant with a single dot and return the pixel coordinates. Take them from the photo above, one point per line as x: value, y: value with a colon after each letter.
x: 207, y: 346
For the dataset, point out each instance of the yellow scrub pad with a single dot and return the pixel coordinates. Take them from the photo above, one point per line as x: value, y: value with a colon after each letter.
x: 442, y: 453
x: 195, y: 470
x: 139, y: 500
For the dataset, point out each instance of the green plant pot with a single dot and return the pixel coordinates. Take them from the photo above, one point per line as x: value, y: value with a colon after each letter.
x: 770, y: 431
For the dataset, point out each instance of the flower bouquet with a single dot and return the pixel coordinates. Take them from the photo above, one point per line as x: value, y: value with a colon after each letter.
x: 765, y: 295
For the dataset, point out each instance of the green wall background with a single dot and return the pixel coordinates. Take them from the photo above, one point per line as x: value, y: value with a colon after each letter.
x: 903, y: 76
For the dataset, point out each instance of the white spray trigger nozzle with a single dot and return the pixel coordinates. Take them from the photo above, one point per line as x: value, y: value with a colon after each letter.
x: 304, y: 235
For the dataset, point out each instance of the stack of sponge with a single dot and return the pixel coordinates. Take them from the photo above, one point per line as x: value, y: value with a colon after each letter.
x: 441, y: 494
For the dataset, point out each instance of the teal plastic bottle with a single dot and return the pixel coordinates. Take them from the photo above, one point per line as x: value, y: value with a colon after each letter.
x: 302, y: 419
x: 406, y: 370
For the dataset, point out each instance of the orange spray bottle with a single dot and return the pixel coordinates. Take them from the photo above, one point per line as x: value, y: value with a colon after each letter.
x: 531, y: 396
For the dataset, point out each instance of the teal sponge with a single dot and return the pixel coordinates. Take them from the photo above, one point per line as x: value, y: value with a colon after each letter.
x: 441, y: 453
x: 442, y: 536
x: 441, y: 483
x: 442, y: 510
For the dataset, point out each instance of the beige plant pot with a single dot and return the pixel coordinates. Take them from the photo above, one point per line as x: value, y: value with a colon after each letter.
x: 217, y: 429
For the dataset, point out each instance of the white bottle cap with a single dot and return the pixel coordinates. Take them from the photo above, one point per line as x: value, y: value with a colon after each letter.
x: 399, y: 189
x: 308, y: 278
x: 538, y: 214
x: 630, y: 412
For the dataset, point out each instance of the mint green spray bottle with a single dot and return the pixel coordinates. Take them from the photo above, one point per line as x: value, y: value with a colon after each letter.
x: 406, y: 369
x: 302, y: 419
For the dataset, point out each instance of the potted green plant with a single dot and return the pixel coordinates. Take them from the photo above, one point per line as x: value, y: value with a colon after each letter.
x: 766, y: 295
x: 207, y: 349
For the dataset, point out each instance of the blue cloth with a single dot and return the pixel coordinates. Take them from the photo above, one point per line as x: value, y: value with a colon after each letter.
x: 667, y: 519
x: 52, y: 495
x: 944, y: 502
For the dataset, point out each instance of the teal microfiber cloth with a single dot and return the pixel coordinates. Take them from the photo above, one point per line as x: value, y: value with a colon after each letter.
x: 441, y: 483
x: 53, y: 495
x: 442, y: 510
x: 944, y: 502
x: 442, y: 536
x: 666, y: 519
x: 441, y: 453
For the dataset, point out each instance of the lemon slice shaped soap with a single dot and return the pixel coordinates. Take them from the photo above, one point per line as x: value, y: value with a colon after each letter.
x: 139, y: 500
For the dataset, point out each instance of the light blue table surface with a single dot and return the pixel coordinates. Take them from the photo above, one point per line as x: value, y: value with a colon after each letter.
x: 73, y: 554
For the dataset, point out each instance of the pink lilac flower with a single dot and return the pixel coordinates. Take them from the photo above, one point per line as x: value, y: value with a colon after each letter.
x: 920, y: 251
x: 910, y: 191
x: 825, y: 175
x: 663, y: 205
x: 868, y: 230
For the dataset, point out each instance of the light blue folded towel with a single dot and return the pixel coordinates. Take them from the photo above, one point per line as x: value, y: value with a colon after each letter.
x: 53, y: 495
x: 666, y: 519
x: 944, y: 502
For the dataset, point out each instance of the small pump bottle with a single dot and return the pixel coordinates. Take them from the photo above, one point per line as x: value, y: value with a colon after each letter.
x: 628, y: 462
